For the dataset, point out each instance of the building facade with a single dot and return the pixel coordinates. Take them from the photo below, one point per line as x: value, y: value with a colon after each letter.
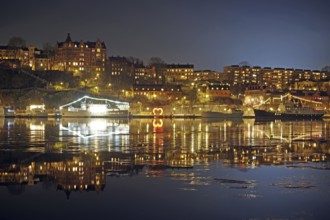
x: 274, y: 78
x: 209, y: 75
x: 158, y: 92
x: 79, y: 56
x: 24, y: 57
x: 179, y: 72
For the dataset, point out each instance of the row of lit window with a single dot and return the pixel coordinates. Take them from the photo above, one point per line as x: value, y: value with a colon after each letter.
x: 221, y: 92
x: 151, y: 93
x: 180, y: 70
x: 77, y: 45
x: 154, y: 89
x: 217, y: 88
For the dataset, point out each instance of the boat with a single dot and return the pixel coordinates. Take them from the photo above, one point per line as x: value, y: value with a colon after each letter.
x: 7, y: 112
x: 36, y: 111
x: 234, y: 113
x: 95, y: 107
x: 290, y: 112
x: 81, y: 112
x: 32, y: 111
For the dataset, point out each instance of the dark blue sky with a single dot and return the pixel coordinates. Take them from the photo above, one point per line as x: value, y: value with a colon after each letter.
x: 208, y: 33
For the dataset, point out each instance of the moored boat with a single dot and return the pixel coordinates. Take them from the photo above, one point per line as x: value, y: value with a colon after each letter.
x: 227, y: 114
x: 76, y: 112
x: 95, y: 107
x: 7, y: 112
x: 290, y: 112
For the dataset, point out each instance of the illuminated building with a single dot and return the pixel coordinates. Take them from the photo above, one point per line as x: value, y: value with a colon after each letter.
x: 218, y: 90
x: 120, y: 66
x: 42, y: 62
x: 321, y: 85
x: 179, y: 72
x: 80, y: 56
x: 277, y: 78
x: 163, y: 92
x: 153, y: 75
x: 208, y: 91
x: 205, y: 75
x: 24, y: 57
x: 311, y: 75
x: 254, y: 95
x: 119, y: 72
x: 139, y: 73
x: 242, y: 74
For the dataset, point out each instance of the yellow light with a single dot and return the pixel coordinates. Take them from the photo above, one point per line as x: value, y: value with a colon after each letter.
x: 32, y: 107
x: 158, y: 123
x: 158, y: 111
x: 34, y: 127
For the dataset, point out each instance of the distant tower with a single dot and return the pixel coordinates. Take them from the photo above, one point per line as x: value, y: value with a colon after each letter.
x: 68, y: 38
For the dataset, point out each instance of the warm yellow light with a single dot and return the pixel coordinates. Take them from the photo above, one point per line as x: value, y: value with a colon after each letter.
x: 158, y: 111
x: 33, y: 107
x: 158, y: 123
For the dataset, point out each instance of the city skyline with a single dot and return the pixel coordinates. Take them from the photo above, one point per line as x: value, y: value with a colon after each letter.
x: 209, y: 34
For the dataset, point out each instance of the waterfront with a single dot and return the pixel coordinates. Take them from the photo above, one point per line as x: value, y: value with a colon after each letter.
x: 164, y: 169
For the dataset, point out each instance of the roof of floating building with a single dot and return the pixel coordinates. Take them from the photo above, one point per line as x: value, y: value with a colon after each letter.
x: 119, y: 104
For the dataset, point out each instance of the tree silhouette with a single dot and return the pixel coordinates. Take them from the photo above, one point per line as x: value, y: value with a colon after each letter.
x: 326, y: 68
x: 16, y: 42
x: 160, y: 68
x: 49, y: 49
x: 244, y: 63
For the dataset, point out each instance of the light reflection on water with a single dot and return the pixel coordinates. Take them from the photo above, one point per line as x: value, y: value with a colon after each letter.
x: 193, y: 161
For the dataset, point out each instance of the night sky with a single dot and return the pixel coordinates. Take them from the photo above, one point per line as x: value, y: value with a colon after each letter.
x: 209, y: 34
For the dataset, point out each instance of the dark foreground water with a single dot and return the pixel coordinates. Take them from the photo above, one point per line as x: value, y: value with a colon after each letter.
x: 164, y: 169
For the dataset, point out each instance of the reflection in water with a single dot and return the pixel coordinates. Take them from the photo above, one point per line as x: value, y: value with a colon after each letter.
x: 77, y: 154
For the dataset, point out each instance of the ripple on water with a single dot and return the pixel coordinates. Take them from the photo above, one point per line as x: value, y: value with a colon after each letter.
x: 294, y: 185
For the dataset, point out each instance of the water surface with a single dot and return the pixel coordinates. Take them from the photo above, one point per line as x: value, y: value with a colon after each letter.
x: 164, y: 169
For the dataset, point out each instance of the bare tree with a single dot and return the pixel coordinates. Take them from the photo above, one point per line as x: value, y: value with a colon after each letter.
x: 156, y: 61
x: 326, y: 68
x: 160, y: 67
x: 244, y: 63
x: 49, y: 49
x: 16, y: 42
